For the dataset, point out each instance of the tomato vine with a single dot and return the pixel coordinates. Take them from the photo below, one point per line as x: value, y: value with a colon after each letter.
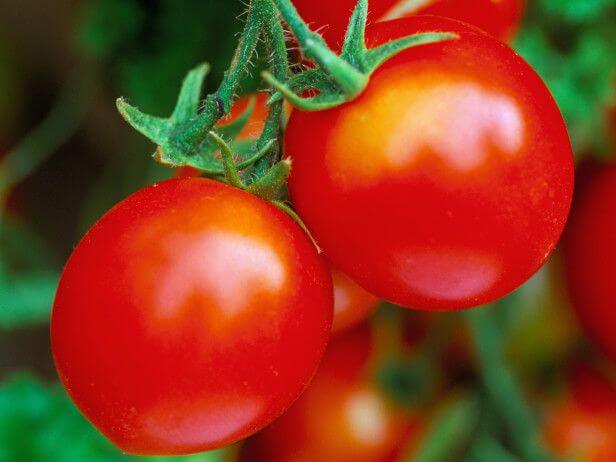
x: 189, y: 137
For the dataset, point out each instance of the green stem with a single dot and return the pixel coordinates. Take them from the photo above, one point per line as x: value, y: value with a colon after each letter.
x: 296, y: 23
x: 449, y: 433
x: 502, y: 388
x: 279, y: 66
x: 218, y: 104
x: 488, y: 450
x: 233, y: 177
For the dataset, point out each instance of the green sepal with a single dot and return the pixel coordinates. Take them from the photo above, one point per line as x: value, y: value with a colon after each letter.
x: 295, y: 217
x: 228, y: 163
x: 272, y: 185
x: 355, y: 38
x: 339, y: 78
x: 377, y: 56
x: 323, y: 100
x: 310, y: 79
x: 205, y: 156
x: 159, y: 129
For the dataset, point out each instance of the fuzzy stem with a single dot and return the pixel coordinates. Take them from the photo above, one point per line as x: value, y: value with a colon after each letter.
x: 279, y: 66
x: 218, y: 104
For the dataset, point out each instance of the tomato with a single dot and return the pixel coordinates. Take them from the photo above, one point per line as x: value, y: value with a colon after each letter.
x: 254, y: 126
x: 500, y: 18
x: 447, y: 183
x: 589, y: 254
x: 189, y: 317
x: 332, y: 18
x: 342, y: 417
x: 352, y: 304
x: 586, y: 430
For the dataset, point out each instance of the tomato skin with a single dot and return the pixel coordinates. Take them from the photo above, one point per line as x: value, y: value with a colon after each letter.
x: 352, y: 304
x: 447, y: 183
x: 589, y: 254
x: 341, y: 417
x: 500, y: 18
x: 582, y: 423
x: 254, y: 126
x: 189, y: 317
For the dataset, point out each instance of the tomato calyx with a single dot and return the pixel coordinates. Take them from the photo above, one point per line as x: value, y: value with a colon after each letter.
x: 218, y: 158
x: 270, y: 187
x: 338, y: 79
x: 205, y: 157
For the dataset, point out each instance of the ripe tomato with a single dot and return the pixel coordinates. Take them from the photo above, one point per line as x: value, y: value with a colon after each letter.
x: 341, y: 417
x: 189, y: 317
x: 352, y: 304
x: 500, y: 18
x: 589, y: 251
x: 583, y: 423
x: 447, y: 183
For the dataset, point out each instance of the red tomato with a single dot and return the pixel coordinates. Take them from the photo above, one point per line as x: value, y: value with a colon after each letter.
x: 189, y: 317
x: 332, y: 18
x: 500, y: 18
x: 447, y: 183
x: 577, y: 428
x: 342, y: 417
x: 253, y: 128
x: 352, y: 304
x: 589, y: 250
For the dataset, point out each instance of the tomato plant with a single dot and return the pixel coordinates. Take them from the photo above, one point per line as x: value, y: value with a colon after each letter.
x: 589, y: 250
x: 583, y: 423
x: 500, y: 18
x: 446, y: 184
x: 352, y: 304
x: 341, y: 417
x: 189, y: 317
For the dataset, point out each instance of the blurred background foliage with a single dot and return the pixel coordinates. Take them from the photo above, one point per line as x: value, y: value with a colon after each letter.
x: 141, y: 49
